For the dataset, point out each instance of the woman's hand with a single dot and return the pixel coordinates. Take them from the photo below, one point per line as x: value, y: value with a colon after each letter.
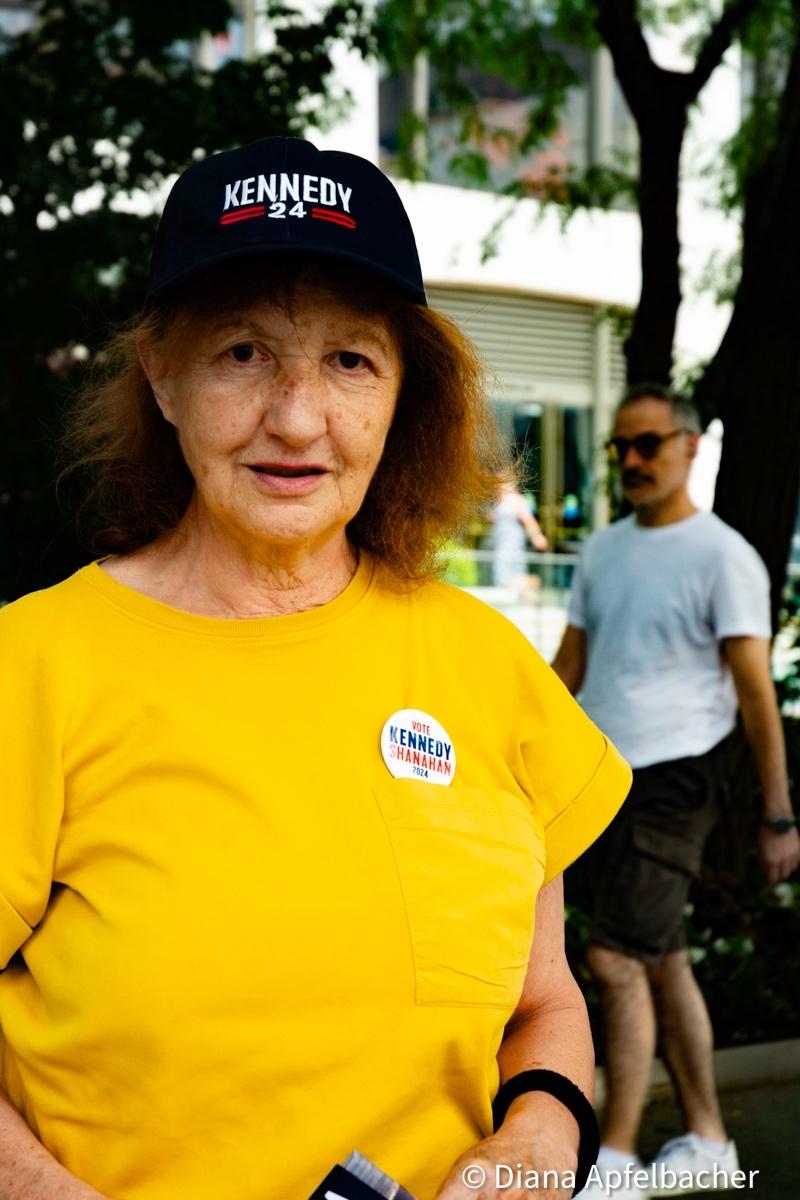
x: 522, y: 1161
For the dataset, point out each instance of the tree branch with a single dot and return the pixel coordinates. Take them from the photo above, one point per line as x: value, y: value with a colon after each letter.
x: 732, y: 18
x: 619, y: 28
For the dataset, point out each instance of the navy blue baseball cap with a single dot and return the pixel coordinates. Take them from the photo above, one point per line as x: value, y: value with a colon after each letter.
x: 282, y: 194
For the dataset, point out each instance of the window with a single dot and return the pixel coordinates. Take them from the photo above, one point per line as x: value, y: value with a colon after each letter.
x: 503, y: 106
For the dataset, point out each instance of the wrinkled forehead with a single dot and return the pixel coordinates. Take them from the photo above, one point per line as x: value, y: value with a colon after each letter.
x: 282, y: 295
x: 312, y: 305
x: 648, y: 415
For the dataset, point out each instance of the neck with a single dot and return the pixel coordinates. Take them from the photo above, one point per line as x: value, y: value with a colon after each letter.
x: 666, y: 511
x: 200, y: 568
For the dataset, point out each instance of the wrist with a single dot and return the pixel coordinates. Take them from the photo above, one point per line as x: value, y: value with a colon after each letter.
x: 782, y: 823
x: 540, y: 1110
x: 777, y: 804
x: 574, y: 1110
x: 548, y: 1129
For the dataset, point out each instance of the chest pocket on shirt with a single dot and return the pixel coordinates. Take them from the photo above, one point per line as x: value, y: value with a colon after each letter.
x: 470, y: 864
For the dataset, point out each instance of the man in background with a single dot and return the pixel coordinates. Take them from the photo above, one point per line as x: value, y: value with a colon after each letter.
x: 668, y: 627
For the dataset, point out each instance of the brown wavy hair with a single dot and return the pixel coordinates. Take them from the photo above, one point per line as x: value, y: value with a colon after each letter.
x: 442, y: 464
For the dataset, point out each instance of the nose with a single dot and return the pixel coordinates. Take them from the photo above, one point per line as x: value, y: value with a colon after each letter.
x: 294, y: 407
x: 637, y: 458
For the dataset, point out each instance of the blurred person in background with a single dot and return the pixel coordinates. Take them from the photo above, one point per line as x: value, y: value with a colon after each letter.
x: 668, y: 630
x: 514, y: 527
x: 279, y: 809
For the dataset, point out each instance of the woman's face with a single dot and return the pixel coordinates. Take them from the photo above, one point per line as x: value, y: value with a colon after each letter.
x: 282, y: 418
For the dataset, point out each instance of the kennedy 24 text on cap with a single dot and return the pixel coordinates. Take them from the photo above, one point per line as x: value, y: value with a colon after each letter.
x: 278, y: 195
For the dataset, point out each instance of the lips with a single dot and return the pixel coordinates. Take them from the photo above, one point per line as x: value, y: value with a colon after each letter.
x: 287, y: 479
x: 284, y: 471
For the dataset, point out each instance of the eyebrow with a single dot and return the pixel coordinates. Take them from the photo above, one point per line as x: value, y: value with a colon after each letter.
x: 362, y: 333
x: 356, y: 332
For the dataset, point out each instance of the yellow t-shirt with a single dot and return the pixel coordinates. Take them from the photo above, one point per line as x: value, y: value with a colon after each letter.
x: 237, y: 945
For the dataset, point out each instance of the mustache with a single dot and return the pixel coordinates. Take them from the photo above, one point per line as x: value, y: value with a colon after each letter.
x: 633, y: 476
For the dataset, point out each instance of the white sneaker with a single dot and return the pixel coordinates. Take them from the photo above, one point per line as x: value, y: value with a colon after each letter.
x: 614, y: 1177
x: 688, y: 1164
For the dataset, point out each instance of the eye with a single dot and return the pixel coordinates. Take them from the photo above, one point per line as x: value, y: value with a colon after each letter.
x: 245, y: 352
x: 350, y: 360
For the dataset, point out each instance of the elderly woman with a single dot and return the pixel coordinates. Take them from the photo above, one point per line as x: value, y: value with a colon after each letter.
x: 278, y: 808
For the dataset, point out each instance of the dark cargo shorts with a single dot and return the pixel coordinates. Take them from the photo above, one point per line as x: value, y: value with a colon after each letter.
x: 640, y: 868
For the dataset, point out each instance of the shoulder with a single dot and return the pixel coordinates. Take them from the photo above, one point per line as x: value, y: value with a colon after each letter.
x: 454, y: 612
x: 38, y: 621
x: 728, y: 536
x: 444, y: 602
x: 479, y: 642
x: 725, y: 543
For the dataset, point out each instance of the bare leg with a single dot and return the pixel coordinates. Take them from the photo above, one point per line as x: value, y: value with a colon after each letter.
x: 630, y: 1036
x: 688, y: 1043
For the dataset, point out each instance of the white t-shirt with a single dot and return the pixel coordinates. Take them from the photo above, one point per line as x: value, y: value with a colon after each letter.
x: 655, y: 603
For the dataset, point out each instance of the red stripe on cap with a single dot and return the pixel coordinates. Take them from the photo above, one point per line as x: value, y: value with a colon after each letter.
x: 242, y: 214
x: 331, y: 214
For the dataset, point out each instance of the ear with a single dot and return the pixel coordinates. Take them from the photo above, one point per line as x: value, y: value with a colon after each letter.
x: 160, y: 384
x: 694, y: 442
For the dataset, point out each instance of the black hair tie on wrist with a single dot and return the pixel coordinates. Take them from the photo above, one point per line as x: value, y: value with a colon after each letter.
x: 571, y: 1097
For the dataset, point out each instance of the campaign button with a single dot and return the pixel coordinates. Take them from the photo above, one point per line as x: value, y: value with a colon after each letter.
x: 415, y: 746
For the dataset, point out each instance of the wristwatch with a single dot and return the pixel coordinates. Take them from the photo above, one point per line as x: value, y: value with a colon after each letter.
x: 780, y: 824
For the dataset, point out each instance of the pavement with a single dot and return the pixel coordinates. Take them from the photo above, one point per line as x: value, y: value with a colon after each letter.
x: 764, y: 1121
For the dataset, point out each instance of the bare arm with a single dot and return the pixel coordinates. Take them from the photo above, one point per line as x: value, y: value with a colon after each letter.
x: 748, y: 659
x: 27, y: 1170
x: 570, y: 660
x: 528, y: 522
x: 550, y: 1029
x: 532, y: 528
x: 550, y: 1026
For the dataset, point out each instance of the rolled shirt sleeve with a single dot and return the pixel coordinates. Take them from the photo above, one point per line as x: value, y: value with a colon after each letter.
x: 740, y: 597
x: 576, y: 776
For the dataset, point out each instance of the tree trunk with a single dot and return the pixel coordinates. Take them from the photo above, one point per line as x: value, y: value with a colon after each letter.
x: 759, y: 401
x: 754, y: 381
x: 659, y: 101
x: 648, y: 349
